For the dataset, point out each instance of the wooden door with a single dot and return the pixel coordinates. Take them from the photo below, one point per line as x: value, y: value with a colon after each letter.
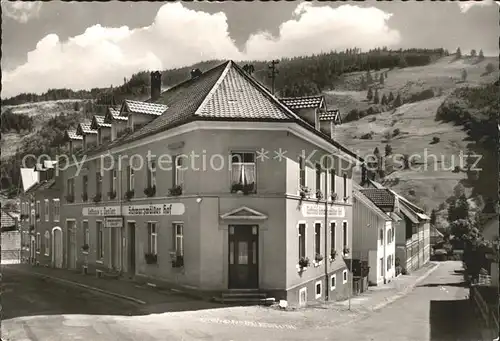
x: 72, y: 245
x: 243, y: 257
x: 131, y: 249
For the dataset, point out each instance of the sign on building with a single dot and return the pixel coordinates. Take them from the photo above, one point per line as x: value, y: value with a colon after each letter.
x: 315, y: 210
x: 113, y: 222
x: 154, y: 209
x: 101, y: 211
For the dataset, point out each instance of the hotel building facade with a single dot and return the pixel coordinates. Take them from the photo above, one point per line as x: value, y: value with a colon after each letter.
x: 213, y: 185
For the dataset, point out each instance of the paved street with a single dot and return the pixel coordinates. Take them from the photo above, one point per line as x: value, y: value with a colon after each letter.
x: 436, y: 310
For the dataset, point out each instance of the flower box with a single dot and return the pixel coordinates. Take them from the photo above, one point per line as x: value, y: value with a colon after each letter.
x: 178, y: 261
x: 346, y: 251
x: 85, y: 247
x: 243, y: 188
x: 304, y: 192
x: 333, y: 255
x: 129, y: 194
x: 303, y: 264
x: 97, y: 197
x: 333, y: 196
x: 150, y: 191
x: 319, y: 195
x: 175, y: 191
x: 151, y: 258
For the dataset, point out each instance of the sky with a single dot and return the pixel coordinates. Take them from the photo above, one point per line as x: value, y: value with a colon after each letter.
x: 82, y: 45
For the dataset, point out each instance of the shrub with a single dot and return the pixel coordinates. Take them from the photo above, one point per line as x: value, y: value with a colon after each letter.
x: 396, y: 132
x: 435, y: 140
x: 421, y: 96
x: 373, y: 119
x: 367, y: 136
x: 489, y: 68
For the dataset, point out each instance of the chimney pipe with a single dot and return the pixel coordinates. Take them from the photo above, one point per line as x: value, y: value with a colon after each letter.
x: 195, y: 73
x: 155, y: 85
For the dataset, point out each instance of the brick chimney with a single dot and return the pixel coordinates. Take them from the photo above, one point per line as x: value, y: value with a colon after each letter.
x: 196, y: 73
x: 155, y: 85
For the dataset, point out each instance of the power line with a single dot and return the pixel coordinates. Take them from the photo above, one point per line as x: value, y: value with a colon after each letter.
x: 272, y: 73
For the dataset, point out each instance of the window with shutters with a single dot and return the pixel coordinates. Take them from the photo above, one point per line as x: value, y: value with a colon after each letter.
x: 178, y: 239
x: 153, y: 237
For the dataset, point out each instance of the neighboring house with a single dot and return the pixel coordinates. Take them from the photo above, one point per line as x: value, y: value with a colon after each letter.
x: 490, y: 233
x: 9, y: 220
x: 47, y: 232
x: 29, y: 177
x: 374, y: 231
x: 73, y: 140
x: 435, y: 236
x: 413, y: 235
x: 214, y: 222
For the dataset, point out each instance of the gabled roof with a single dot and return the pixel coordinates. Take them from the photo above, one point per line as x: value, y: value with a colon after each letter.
x: 84, y: 128
x: 138, y: 107
x: 303, y: 102
x: 331, y: 115
x: 369, y: 204
x: 383, y: 198
x: 7, y: 219
x: 71, y: 135
x: 410, y: 214
x: 113, y: 114
x: 244, y: 213
x: 223, y: 93
x: 98, y: 122
x: 41, y: 186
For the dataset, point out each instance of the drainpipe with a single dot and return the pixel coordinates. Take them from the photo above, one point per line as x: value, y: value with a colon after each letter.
x: 327, y: 288
x: 384, y: 241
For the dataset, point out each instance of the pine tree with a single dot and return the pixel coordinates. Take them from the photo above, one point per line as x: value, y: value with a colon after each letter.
x: 383, y: 101
x: 369, y: 78
x: 388, y: 150
x: 481, y: 54
x: 473, y: 53
x: 464, y: 75
x: 390, y: 98
x: 397, y: 101
x: 458, y: 54
x: 376, y: 98
x: 402, y: 61
x: 376, y: 152
x: 381, y: 78
x: 433, y: 217
x: 369, y: 96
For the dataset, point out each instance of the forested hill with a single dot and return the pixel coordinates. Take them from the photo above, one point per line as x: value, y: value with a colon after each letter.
x: 298, y: 76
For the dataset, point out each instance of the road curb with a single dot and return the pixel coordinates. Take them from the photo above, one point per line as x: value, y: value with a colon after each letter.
x: 84, y: 286
x: 407, y: 290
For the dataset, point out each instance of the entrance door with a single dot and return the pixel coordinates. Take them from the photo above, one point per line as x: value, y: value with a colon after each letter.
x: 131, y: 248
x: 57, y: 248
x: 243, y: 257
x: 117, y: 250
x: 71, y: 243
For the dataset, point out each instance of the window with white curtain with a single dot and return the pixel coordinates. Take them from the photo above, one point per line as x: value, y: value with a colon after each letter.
x: 243, y: 169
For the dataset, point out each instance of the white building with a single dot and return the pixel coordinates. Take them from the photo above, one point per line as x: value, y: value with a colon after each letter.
x: 374, y: 232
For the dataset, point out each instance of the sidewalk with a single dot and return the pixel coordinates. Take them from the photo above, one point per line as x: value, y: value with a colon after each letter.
x: 148, y: 299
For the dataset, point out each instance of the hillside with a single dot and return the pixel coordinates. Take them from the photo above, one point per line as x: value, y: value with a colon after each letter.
x: 411, y: 127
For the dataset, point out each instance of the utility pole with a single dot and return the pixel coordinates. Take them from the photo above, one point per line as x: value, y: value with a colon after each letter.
x: 273, y: 72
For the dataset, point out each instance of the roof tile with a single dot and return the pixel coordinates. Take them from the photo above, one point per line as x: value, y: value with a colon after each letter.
x: 383, y: 198
x: 330, y: 115
x: 98, y: 122
x: 145, y: 108
x: 72, y: 135
x: 84, y: 128
x: 302, y: 102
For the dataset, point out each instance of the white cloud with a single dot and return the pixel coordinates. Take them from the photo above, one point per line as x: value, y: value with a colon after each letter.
x: 102, y: 56
x: 21, y: 11
x: 466, y: 6
x: 315, y: 29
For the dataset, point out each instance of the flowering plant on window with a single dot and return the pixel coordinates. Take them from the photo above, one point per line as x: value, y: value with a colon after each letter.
x: 178, y: 261
x: 23, y: 216
x: 304, y: 192
x: 175, y: 191
x: 85, y: 247
x: 333, y: 255
x: 32, y: 227
x: 304, y: 263
x: 112, y: 194
x: 238, y: 187
x: 346, y: 198
x: 151, y: 258
x: 333, y: 196
x: 97, y: 197
x: 129, y: 194
x: 85, y: 196
x: 150, y: 191
x: 346, y: 251
x: 37, y: 216
x: 70, y: 198
x: 318, y: 258
x: 319, y: 195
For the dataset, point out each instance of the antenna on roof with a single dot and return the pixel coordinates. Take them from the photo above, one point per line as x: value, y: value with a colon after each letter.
x: 273, y: 72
